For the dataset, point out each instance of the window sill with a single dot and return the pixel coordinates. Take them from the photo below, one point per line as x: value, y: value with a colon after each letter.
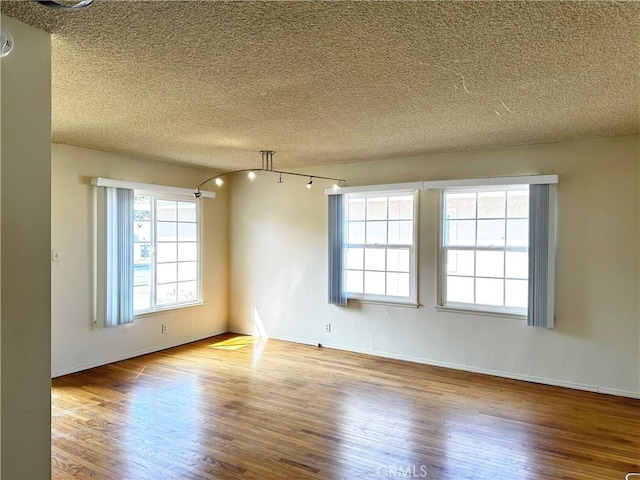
x: 147, y: 313
x: 484, y: 313
x: 388, y: 303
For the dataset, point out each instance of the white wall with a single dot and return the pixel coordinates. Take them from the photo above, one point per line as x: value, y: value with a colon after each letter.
x: 76, y: 343
x: 25, y: 172
x: 279, y: 269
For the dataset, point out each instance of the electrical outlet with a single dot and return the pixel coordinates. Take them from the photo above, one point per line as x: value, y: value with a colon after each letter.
x: 327, y: 327
x: 164, y: 328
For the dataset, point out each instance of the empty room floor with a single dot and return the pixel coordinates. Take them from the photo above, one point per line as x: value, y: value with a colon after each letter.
x: 236, y: 407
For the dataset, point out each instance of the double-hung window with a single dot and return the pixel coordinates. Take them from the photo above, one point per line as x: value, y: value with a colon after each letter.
x: 166, y: 252
x: 484, y: 249
x: 379, y: 249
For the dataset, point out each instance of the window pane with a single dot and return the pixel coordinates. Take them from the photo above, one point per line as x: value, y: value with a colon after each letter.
x: 398, y: 260
x: 377, y: 208
x: 460, y: 232
x: 516, y: 293
x: 460, y: 289
x: 166, y: 210
x: 394, y: 232
x: 517, y: 233
x: 187, y: 291
x: 187, y: 232
x: 142, y: 274
x: 489, y: 264
x: 398, y: 284
x: 141, y: 208
x: 355, y: 258
x: 166, y: 294
x: 405, y: 232
x: 354, y: 281
x: 141, y: 231
x: 376, y: 233
x: 356, y: 232
x: 141, y: 297
x: 460, y: 262
x: 491, y: 204
x: 490, y: 233
x: 374, y: 283
x: 374, y: 259
x: 460, y: 205
x: 401, y: 232
x: 166, y: 231
x: 401, y: 208
x: 187, y: 212
x: 187, y: 271
x: 187, y: 251
x: 142, y: 253
x: 356, y: 209
x: 166, y: 252
x: 489, y: 291
x: 166, y: 272
x: 518, y: 203
x: 517, y: 265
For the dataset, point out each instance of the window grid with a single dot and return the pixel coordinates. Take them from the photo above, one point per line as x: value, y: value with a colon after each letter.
x: 447, y: 247
x: 186, y: 291
x: 386, y: 247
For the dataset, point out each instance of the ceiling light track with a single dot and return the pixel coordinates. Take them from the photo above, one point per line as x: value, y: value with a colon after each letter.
x: 60, y: 6
x: 267, y: 166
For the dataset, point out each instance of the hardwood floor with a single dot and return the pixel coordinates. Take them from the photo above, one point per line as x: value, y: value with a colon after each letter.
x: 229, y: 408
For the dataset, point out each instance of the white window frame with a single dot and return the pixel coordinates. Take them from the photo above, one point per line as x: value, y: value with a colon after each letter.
x: 412, y: 300
x: 441, y: 294
x: 156, y: 195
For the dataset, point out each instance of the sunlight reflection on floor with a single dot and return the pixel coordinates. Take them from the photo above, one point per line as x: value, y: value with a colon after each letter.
x: 234, y: 343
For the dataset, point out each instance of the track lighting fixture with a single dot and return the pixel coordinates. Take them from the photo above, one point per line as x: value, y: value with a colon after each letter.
x: 59, y: 6
x: 267, y: 166
x: 6, y: 42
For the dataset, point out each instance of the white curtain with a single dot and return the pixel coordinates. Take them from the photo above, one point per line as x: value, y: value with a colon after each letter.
x: 542, y: 241
x: 118, y: 257
x: 337, y: 295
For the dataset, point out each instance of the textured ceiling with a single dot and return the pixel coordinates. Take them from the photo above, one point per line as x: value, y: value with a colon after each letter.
x: 211, y: 83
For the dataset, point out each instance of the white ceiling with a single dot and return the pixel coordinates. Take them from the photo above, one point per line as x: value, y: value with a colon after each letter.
x: 211, y: 83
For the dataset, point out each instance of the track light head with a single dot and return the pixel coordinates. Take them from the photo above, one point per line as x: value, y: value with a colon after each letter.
x: 197, y: 193
x: 6, y: 42
x: 219, y: 181
x: 251, y: 175
x: 59, y: 6
x: 310, y: 184
x: 280, y: 182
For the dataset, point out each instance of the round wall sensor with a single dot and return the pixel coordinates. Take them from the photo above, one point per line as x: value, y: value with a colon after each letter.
x: 6, y: 42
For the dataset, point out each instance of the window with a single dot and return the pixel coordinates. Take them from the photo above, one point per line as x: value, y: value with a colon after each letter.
x: 484, y: 248
x: 379, y: 246
x: 165, y: 252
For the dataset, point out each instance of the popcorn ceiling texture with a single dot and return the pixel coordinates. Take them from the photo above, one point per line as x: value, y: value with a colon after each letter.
x: 211, y: 83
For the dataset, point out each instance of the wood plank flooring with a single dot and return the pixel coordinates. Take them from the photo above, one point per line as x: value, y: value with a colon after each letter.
x: 231, y: 408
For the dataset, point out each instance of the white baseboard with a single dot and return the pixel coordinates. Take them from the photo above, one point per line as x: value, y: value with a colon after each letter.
x: 126, y: 356
x: 467, y: 368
